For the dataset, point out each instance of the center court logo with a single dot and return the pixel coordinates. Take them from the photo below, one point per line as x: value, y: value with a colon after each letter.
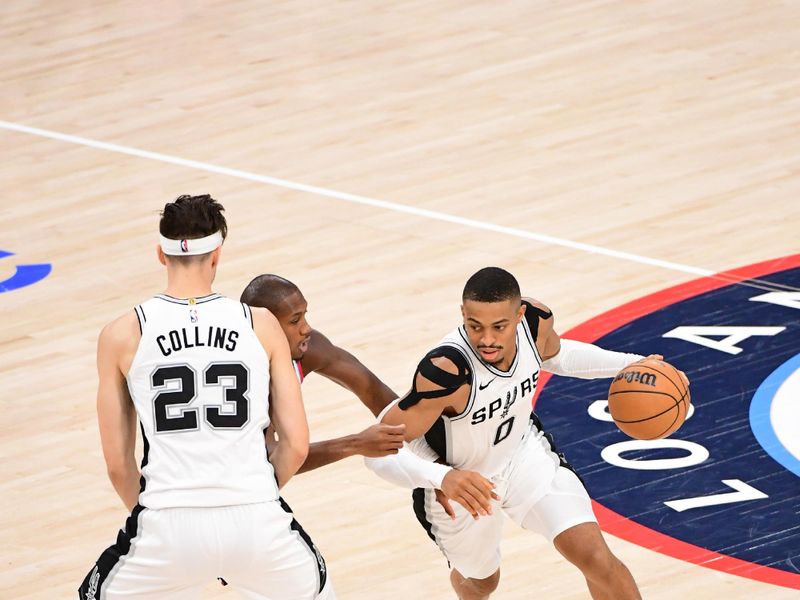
x: 722, y: 491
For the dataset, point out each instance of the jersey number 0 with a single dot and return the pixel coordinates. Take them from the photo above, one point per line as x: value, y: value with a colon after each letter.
x: 234, y: 396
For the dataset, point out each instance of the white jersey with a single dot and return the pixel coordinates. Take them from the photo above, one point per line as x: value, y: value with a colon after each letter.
x: 485, y: 436
x: 200, y: 385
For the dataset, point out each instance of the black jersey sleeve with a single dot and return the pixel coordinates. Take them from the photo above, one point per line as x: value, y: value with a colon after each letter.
x: 533, y: 315
x: 448, y: 382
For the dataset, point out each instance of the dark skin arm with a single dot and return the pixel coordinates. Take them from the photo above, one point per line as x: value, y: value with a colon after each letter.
x: 343, y: 368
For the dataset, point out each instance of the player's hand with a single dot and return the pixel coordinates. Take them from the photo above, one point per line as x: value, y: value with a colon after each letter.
x: 445, y: 502
x: 661, y: 358
x: 380, y: 440
x: 471, y: 490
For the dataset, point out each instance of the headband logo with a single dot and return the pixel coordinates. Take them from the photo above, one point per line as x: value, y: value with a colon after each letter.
x: 182, y: 247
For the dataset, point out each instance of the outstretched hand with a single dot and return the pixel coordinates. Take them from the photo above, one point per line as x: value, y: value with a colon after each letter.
x: 380, y: 440
x: 470, y: 489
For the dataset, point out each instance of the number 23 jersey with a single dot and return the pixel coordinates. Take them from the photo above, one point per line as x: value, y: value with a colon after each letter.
x: 200, y: 383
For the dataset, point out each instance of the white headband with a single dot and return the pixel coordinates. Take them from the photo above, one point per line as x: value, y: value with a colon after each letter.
x: 193, y: 247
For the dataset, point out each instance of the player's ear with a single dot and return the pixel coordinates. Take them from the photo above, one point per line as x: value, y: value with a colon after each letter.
x: 463, y: 314
x: 215, y: 254
x: 521, y: 311
x: 161, y: 256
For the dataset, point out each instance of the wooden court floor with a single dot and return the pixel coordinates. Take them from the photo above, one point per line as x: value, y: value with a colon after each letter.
x: 377, y: 154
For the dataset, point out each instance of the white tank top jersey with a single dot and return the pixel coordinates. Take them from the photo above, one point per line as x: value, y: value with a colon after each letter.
x: 200, y: 385
x: 498, y: 415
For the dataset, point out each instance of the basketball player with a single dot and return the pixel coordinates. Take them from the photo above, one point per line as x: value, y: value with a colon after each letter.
x: 312, y: 351
x: 469, y: 407
x: 205, y: 375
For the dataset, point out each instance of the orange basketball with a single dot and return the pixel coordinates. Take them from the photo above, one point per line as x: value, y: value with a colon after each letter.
x: 648, y: 400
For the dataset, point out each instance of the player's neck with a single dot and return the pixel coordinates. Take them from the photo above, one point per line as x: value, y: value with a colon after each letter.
x: 187, y: 283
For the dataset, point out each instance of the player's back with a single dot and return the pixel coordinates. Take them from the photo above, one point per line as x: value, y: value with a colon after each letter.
x: 200, y: 383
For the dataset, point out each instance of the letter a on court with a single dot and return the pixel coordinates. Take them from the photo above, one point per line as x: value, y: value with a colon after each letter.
x: 787, y: 299
x: 730, y: 336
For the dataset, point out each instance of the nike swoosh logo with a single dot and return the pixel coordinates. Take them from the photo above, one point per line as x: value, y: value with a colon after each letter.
x: 485, y: 385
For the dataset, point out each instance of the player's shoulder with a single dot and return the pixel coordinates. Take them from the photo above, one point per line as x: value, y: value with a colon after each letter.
x: 265, y: 325
x: 122, y: 331
x: 321, y: 352
x: 538, y: 316
x: 446, y: 358
x: 538, y: 307
x: 262, y: 317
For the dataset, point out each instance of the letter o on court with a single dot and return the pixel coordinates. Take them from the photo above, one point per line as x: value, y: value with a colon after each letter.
x: 612, y: 454
x: 599, y: 410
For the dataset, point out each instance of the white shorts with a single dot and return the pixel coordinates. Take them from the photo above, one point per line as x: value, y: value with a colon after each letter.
x: 172, y: 554
x: 551, y: 507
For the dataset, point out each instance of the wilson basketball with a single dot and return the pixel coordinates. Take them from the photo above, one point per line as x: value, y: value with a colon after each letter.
x: 648, y: 400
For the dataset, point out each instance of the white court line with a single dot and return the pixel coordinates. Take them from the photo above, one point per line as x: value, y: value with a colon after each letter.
x: 355, y: 199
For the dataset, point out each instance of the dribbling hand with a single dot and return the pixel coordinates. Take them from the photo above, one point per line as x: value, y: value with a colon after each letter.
x: 470, y: 489
x: 661, y: 358
x: 380, y: 440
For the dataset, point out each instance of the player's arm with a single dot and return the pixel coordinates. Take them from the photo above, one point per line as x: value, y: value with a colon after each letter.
x: 374, y: 441
x: 116, y: 414
x: 441, y: 384
x: 287, y: 414
x: 570, y: 357
x: 343, y: 368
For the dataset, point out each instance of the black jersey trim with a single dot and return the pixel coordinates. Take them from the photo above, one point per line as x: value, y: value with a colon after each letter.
x: 185, y: 301
x: 145, y: 459
x: 533, y: 315
x: 510, y: 373
x: 436, y: 437
x: 532, y: 342
x: 322, y: 568
x: 418, y: 498
x: 248, y: 314
x: 562, y: 460
x: 106, y: 565
x: 418, y: 502
x: 139, y: 319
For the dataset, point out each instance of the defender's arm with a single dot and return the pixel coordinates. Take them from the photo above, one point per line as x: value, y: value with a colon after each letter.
x: 343, y: 368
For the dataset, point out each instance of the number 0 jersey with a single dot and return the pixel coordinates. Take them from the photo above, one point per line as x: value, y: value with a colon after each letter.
x: 485, y: 436
x: 200, y: 385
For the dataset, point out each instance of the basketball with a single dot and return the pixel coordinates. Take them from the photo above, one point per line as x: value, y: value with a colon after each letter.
x: 648, y: 400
